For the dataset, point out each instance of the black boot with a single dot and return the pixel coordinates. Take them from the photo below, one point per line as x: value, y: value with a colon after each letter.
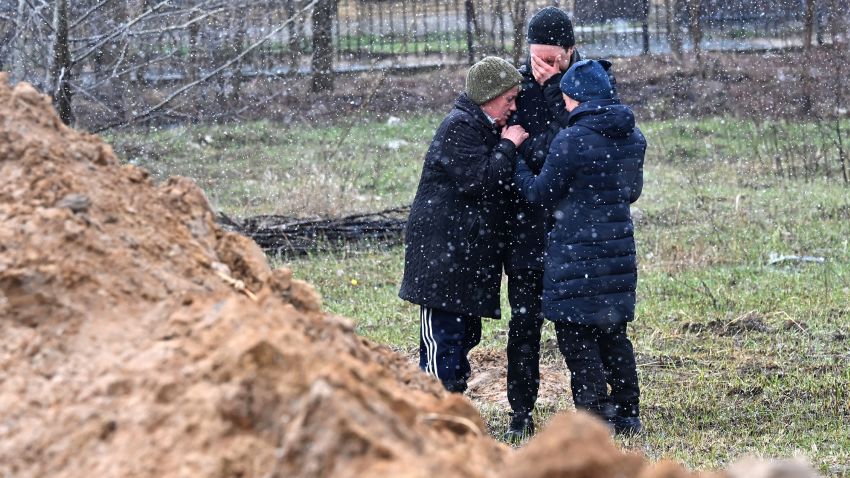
x: 521, y: 427
x: 626, y: 425
x: 626, y: 420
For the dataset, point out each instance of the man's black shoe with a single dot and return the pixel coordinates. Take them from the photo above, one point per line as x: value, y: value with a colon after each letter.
x: 626, y: 425
x: 522, y: 427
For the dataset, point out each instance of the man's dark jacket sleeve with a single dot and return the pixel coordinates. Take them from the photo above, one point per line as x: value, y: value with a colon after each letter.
x: 475, y: 169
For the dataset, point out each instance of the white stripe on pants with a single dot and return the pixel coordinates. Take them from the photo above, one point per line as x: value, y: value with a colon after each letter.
x: 426, y: 329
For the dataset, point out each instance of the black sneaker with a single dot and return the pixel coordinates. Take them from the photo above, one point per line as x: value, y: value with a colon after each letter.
x: 626, y: 425
x: 522, y: 427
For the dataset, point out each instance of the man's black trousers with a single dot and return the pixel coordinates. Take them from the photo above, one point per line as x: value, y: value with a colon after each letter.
x: 525, y: 289
x: 445, y: 339
x: 598, y: 358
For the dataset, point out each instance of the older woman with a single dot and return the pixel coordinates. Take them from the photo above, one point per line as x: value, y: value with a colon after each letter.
x: 455, y: 234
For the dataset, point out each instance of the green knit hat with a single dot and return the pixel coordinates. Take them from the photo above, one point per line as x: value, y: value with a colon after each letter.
x: 489, y: 78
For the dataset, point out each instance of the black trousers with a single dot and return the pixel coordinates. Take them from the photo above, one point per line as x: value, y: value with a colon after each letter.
x: 599, y: 358
x: 445, y: 339
x: 525, y: 288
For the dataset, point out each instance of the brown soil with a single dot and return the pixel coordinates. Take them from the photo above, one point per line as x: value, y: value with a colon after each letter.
x: 488, y: 383
x: 140, y: 339
x: 126, y: 352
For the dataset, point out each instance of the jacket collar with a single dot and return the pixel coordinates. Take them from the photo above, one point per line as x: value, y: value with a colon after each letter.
x: 465, y: 104
x: 589, y: 107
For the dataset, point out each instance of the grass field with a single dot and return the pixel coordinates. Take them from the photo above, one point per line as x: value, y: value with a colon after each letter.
x: 736, y: 356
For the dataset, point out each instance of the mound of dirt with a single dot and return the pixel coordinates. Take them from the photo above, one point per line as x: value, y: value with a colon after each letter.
x: 132, y: 345
x: 140, y: 339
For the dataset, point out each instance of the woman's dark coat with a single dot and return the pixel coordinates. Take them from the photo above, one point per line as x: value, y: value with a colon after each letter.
x: 455, y: 236
x: 593, y: 171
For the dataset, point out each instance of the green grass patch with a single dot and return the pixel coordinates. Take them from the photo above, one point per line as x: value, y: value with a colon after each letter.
x: 262, y: 167
x: 781, y: 148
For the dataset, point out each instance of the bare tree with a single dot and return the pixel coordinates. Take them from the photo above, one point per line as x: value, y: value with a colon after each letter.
x: 60, y: 68
x: 106, y: 51
x: 519, y: 14
x: 296, y: 35
x: 695, y: 26
x: 149, y: 112
x: 674, y: 27
x: 8, y: 30
x: 809, y: 24
x: 323, y: 45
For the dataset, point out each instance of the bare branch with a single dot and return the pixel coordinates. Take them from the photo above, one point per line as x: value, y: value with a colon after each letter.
x: 45, y: 21
x: 120, y: 58
x: 118, y: 31
x: 177, y: 27
x: 152, y: 17
x: 132, y: 68
x: 86, y: 15
x: 209, y: 75
x: 84, y: 92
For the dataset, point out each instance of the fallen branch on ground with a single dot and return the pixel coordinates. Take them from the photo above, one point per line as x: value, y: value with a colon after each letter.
x: 287, y: 236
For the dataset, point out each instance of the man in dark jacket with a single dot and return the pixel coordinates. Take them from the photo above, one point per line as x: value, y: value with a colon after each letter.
x: 455, y: 235
x: 593, y: 172
x: 551, y: 45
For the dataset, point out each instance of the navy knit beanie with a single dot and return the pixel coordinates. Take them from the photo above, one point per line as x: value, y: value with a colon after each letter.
x: 551, y: 26
x: 587, y: 80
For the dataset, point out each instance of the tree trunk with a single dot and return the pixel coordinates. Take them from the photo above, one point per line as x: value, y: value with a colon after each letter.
x: 17, y: 54
x: 194, y: 60
x: 674, y: 28
x: 295, y: 35
x: 237, y: 46
x: 695, y: 27
x: 60, y: 67
x: 519, y: 13
x: 809, y: 27
x: 322, y: 63
x: 470, y: 26
x: 645, y: 27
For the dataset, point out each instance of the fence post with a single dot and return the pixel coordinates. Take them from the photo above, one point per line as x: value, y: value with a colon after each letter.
x: 470, y: 25
x: 646, y: 27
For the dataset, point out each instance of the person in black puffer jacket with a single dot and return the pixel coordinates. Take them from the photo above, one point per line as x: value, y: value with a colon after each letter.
x: 455, y: 235
x: 592, y: 173
x: 540, y: 110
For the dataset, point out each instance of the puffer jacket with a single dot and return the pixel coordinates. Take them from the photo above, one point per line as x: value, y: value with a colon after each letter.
x: 592, y: 173
x: 540, y: 110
